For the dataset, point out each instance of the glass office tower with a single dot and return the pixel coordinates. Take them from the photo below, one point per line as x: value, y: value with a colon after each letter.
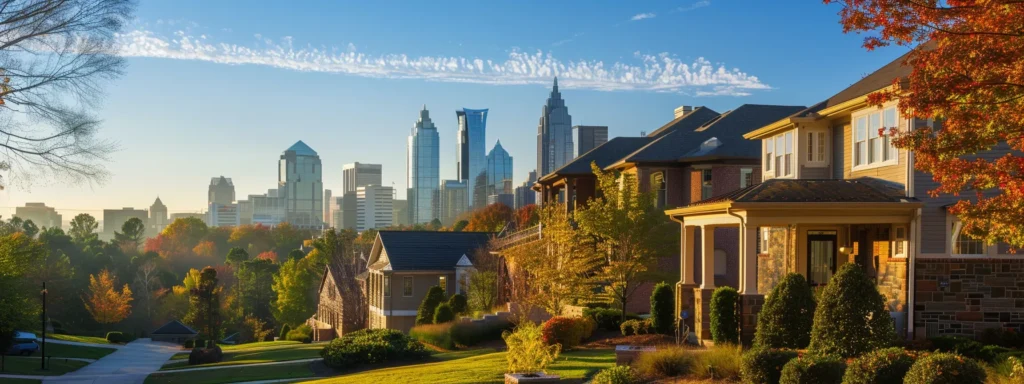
x: 499, y: 171
x: 422, y: 169
x: 301, y: 186
x: 470, y: 159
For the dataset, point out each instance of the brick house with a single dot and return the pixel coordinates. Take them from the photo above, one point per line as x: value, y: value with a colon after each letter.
x: 836, y: 192
x: 341, y: 301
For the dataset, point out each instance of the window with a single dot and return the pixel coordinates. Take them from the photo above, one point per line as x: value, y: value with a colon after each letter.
x: 779, y: 150
x: 442, y: 281
x: 789, y: 153
x: 899, y: 242
x: 816, y: 147
x: 407, y: 286
x: 705, y: 184
x: 746, y: 177
x: 769, y: 145
x: 964, y: 244
x: 872, y: 142
x: 387, y: 286
x: 721, y: 263
x: 659, y: 188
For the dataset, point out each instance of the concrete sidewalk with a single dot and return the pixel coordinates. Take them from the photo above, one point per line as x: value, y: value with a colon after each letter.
x: 130, y: 364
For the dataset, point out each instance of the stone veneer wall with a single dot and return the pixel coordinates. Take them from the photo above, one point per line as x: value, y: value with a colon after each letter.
x: 750, y: 307
x: 702, y: 315
x: 966, y: 296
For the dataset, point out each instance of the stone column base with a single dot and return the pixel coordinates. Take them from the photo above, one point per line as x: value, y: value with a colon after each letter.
x: 750, y: 307
x: 702, y: 315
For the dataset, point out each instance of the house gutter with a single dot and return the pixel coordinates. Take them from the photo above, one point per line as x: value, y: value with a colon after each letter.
x: 743, y: 245
x: 913, y: 245
x: 679, y: 284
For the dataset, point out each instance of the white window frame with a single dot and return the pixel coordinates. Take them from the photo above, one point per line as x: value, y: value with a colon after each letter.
x: 899, y: 240
x: 769, y: 157
x: 660, y: 193
x: 872, y: 139
x: 782, y: 155
x: 710, y: 184
x: 816, y: 148
x: 956, y: 226
x: 744, y: 173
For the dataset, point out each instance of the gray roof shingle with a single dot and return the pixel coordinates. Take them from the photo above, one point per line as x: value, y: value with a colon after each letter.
x: 604, y: 155
x: 813, y: 191
x: 430, y: 251
x: 174, y: 327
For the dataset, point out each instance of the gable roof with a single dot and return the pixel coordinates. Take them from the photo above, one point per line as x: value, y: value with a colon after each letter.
x: 174, y: 327
x: 813, y: 191
x: 428, y: 250
x: 604, y: 155
x: 687, y: 122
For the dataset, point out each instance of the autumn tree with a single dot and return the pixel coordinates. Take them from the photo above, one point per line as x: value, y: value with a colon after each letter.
x: 204, y: 305
x: 268, y: 255
x: 254, y: 238
x: 294, y: 285
x: 104, y: 302
x: 527, y: 216
x: 491, y: 218
x: 967, y: 73
x: 631, y: 232
x: 205, y: 249
x: 185, y: 233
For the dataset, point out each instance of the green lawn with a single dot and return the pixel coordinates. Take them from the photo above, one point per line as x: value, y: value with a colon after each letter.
x: 17, y: 365
x: 232, y: 375
x: 77, y: 351
x: 22, y: 381
x: 253, y: 354
x: 487, y: 368
x: 260, y: 345
x: 80, y: 339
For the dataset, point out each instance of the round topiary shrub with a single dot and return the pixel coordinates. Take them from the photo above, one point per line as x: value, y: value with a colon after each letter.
x: 764, y: 365
x: 564, y: 331
x: 725, y: 325
x: 662, y: 309
x: 813, y: 370
x: 443, y: 314
x: 425, y: 314
x: 883, y: 366
x: 459, y: 304
x: 786, y: 318
x: 851, y: 318
x: 284, y: 332
x: 945, y: 368
x: 622, y: 374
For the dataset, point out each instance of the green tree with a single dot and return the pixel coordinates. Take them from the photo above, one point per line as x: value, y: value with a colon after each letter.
x: 482, y: 292
x: 294, y: 286
x: 30, y: 228
x: 133, y: 232
x: 663, y: 308
x: 434, y: 297
x: 83, y: 228
x: 204, y: 305
x: 236, y: 256
x: 631, y: 232
x: 786, y: 318
x: 460, y: 225
x: 443, y: 314
x: 257, y: 296
x: 725, y: 322
x: 458, y: 304
x: 851, y: 317
x: 19, y: 303
x: 296, y: 254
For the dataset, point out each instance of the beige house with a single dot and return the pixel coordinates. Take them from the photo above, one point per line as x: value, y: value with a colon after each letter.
x: 403, y: 265
x: 341, y: 303
x: 837, y: 192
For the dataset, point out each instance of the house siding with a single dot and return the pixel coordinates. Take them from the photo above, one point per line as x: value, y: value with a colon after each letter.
x: 814, y: 172
x: 398, y: 311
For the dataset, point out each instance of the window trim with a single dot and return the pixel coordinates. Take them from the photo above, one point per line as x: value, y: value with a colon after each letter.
x: 744, y: 173
x: 709, y: 184
x: 898, y: 240
x: 817, y: 147
x: 869, y: 135
x: 769, y: 156
x: 956, y: 226
x: 387, y: 286
x: 660, y: 194
x: 442, y: 281
x: 408, y: 281
x: 782, y: 156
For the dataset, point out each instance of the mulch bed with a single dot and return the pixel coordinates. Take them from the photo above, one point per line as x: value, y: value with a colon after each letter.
x: 609, y: 339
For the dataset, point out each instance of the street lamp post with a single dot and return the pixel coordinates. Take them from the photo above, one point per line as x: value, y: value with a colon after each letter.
x: 42, y: 356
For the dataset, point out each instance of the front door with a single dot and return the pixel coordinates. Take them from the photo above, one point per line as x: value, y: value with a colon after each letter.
x: 821, y: 256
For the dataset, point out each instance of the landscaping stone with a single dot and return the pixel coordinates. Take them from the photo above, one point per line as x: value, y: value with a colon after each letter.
x: 539, y: 378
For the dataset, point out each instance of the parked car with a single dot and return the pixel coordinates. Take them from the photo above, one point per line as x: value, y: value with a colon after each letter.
x: 24, y: 344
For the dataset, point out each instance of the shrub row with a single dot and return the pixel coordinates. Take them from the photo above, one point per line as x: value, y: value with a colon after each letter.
x: 210, y: 355
x: 371, y: 346
x: 635, y: 327
x: 813, y: 370
x: 454, y: 334
x: 607, y: 319
x: 568, y: 332
x: 302, y: 333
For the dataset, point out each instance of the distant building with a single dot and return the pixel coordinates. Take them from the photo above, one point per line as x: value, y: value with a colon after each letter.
x: 327, y: 209
x: 422, y: 168
x: 244, y: 212
x: 471, y: 159
x: 222, y: 215
x: 267, y: 209
x: 358, y: 175
x: 450, y: 201
x: 524, y: 194
x: 300, y: 184
x: 499, y: 172
x: 185, y: 215
x: 508, y: 199
x: 401, y: 211
x: 554, y: 134
x: 222, y: 191
x: 345, y: 215
x: 41, y: 215
x: 113, y: 219
x: 587, y: 137
x: 373, y: 207
x: 157, y: 218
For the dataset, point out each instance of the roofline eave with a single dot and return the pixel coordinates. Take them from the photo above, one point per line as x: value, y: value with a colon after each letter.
x: 722, y: 207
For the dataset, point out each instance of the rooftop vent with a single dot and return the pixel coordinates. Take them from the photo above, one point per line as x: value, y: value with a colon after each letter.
x: 683, y: 111
x: 710, y: 143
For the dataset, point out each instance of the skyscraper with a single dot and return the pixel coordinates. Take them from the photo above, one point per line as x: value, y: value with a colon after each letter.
x: 328, y: 216
x: 525, y: 195
x: 422, y: 168
x: 499, y: 176
x: 222, y: 191
x: 470, y: 161
x: 587, y: 137
x: 450, y: 201
x: 554, y: 134
x: 43, y: 216
x: 300, y: 184
x: 359, y: 175
x: 374, y: 207
x: 157, y: 218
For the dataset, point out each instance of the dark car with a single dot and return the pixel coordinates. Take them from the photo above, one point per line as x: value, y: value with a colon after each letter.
x: 24, y: 344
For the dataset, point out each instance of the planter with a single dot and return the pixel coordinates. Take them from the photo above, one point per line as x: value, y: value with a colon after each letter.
x: 626, y: 354
x: 536, y: 378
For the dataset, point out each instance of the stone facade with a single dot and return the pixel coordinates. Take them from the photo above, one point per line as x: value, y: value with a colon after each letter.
x: 963, y: 297
x: 750, y: 307
x: 702, y: 314
x: 336, y: 316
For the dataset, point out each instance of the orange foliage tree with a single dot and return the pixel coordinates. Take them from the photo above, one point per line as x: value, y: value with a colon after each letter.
x: 491, y: 218
x: 268, y: 255
x: 256, y: 236
x: 104, y: 302
x: 967, y: 72
x: 205, y: 249
x: 527, y: 216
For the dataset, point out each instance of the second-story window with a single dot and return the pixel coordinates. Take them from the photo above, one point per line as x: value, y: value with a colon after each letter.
x: 783, y: 154
x: 816, y: 147
x: 706, y: 189
x: 387, y: 286
x: 442, y: 281
x: 746, y: 177
x: 769, y: 146
x: 407, y: 286
x: 659, y: 188
x: 870, y: 148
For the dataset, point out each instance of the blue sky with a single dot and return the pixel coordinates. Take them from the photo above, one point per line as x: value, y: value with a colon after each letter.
x: 222, y: 88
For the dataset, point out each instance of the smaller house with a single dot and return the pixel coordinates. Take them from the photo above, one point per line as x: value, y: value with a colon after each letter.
x: 341, y: 300
x: 403, y: 265
x: 173, y: 332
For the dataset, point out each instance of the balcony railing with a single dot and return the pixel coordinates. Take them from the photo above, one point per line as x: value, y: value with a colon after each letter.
x: 506, y: 240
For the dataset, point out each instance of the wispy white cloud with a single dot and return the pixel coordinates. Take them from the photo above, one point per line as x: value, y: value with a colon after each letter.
x: 566, y: 41
x: 645, y: 72
x: 699, y: 4
x: 641, y: 16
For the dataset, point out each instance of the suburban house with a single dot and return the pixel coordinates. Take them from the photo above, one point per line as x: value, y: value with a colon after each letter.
x: 173, y: 332
x: 341, y: 300
x: 403, y: 265
x: 699, y: 154
x: 836, y: 192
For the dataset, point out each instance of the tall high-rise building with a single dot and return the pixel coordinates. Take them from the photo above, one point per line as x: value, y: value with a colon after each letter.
x: 374, y: 207
x: 327, y: 209
x: 587, y: 137
x: 450, y: 201
x: 422, y: 168
x: 554, y: 134
x: 113, y: 219
x: 470, y: 160
x: 499, y: 176
x: 222, y: 191
x: 358, y: 175
x: 157, y: 218
x: 400, y: 208
x: 525, y: 195
x: 222, y: 215
x: 301, y: 186
x: 41, y: 215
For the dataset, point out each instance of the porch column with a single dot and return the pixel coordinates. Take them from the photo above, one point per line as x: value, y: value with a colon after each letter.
x: 686, y: 244
x: 748, y: 260
x: 570, y: 190
x: 707, y: 249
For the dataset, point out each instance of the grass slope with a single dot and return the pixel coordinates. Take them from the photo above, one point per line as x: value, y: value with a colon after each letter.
x: 80, y: 339
x: 16, y: 365
x: 233, y: 375
x: 252, y: 355
x: 78, y: 351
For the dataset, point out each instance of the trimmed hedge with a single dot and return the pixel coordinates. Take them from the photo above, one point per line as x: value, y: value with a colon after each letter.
x: 663, y: 307
x: 635, y: 327
x: 622, y: 374
x: 371, y: 346
x: 968, y: 348
x: 205, y: 355
x: 725, y: 323
x: 459, y: 304
x: 434, y: 297
x: 787, y: 316
x: 883, y: 366
x: 764, y: 365
x: 851, y: 318
x: 443, y: 314
x: 813, y: 370
x: 608, y: 319
x: 568, y: 332
x: 456, y: 334
x: 945, y: 368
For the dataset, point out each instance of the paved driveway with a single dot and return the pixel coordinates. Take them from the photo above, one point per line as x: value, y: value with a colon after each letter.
x: 130, y: 364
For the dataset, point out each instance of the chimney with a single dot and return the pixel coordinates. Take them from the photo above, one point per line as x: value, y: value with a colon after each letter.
x: 683, y: 111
